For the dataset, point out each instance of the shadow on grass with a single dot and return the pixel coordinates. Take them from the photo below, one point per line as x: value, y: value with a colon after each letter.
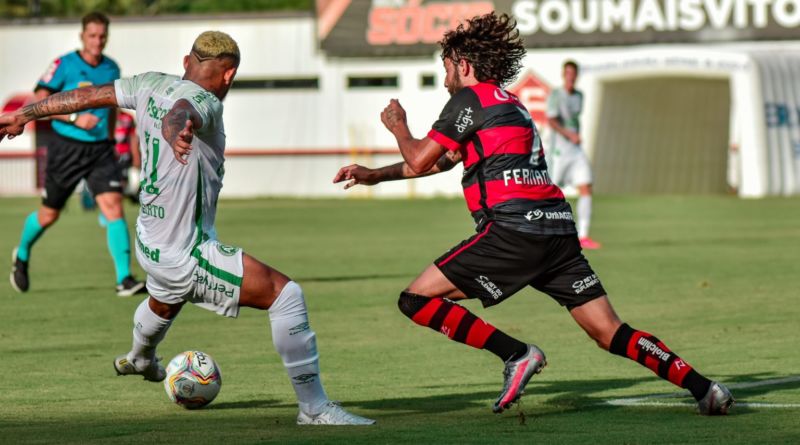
x: 572, y: 396
x: 246, y: 404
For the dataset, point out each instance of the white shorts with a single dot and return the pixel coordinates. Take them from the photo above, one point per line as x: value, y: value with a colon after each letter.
x: 211, y: 279
x: 570, y: 168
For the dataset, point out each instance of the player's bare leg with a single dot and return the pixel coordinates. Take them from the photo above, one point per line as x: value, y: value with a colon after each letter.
x: 584, y: 219
x: 428, y: 301
x: 599, y: 320
x: 266, y: 288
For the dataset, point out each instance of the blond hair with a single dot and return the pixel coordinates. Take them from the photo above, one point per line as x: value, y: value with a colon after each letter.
x: 214, y: 45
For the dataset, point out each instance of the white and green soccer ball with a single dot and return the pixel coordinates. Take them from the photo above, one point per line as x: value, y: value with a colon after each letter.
x: 193, y: 379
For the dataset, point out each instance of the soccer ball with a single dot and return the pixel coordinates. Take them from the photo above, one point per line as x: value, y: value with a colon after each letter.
x: 193, y: 379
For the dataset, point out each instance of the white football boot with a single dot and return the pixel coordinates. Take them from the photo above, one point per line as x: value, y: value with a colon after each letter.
x: 154, y: 372
x: 332, y: 414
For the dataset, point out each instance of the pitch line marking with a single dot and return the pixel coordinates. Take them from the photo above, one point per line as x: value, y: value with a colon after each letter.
x: 645, y: 401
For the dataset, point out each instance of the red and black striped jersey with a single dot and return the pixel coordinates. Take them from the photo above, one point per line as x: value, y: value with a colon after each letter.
x: 505, y: 174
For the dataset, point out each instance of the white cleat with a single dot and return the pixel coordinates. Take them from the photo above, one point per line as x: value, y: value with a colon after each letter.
x: 332, y: 414
x: 154, y: 372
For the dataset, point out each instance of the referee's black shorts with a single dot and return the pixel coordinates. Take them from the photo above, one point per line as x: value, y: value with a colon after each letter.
x: 69, y: 161
x: 495, y: 263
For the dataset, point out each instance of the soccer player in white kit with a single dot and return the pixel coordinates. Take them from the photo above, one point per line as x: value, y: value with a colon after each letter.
x: 183, y: 142
x: 567, y: 160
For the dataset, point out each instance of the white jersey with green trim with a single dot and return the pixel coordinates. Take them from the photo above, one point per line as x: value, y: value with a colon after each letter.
x: 567, y: 108
x: 178, y: 202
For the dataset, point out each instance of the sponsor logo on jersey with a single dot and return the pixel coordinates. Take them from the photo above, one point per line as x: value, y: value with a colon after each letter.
x: 653, y: 349
x: 153, y: 255
x: 558, y: 215
x: 464, y: 119
x: 501, y: 95
x: 490, y: 287
x: 51, y: 71
x: 227, y: 250
x: 526, y: 176
x: 533, y: 215
x: 201, y: 97
x: 154, y: 110
x: 582, y: 285
x: 302, y: 379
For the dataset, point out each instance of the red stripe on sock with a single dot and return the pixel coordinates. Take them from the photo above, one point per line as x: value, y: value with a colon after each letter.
x: 678, y: 371
x: 423, y: 317
x: 450, y: 324
x: 479, y: 333
x: 652, y: 363
x: 633, y: 346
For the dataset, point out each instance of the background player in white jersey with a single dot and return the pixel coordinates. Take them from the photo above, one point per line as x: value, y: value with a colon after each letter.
x: 567, y: 160
x: 183, y: 144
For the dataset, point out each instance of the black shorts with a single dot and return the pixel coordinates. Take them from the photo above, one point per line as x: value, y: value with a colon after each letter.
x: 497, y: 262
x: 69, y: 161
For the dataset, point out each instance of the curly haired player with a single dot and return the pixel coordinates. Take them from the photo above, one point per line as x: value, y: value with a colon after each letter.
x: 525, y: 230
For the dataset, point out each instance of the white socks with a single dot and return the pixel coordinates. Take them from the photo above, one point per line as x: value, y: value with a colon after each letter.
x: 584, y: 215
x: 148, y: 331
x: 296, y: 343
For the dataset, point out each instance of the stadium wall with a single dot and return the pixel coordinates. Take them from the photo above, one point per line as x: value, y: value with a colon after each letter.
x: 291, y: 141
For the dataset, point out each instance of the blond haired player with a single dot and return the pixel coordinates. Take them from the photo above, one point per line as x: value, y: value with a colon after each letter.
x: 183, y: 143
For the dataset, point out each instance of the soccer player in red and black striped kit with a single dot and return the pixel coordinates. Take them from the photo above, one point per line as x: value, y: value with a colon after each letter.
x: 525, y: 232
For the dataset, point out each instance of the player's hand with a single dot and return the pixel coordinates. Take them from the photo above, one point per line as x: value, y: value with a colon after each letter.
x: 574, y: 137
x: 11, y: 125
x: 355, y: 174
x: 394, y: 117
x: 87, y: 121
x: 183, y: 143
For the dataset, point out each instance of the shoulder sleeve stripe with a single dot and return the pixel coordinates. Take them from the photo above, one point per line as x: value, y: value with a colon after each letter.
x: 443, y: 140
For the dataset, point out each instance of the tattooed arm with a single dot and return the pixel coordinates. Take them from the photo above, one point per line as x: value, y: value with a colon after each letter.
x: 358, y: 174
x: 65, y: 102
x: 178, y: 128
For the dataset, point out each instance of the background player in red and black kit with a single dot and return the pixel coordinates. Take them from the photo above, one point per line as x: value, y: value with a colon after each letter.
x: 525, y: 233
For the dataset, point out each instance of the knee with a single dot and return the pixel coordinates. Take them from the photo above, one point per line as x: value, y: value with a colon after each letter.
x: 47, y: 217
x: 111, y: 205
x: 164, y: 310
x: 409, y: 303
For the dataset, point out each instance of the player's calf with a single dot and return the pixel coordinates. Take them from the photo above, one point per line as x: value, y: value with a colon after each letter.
x: 649, y: 351
x: 521, y: 360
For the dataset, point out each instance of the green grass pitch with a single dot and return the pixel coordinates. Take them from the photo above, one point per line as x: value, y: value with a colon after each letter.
x: 716, y: 278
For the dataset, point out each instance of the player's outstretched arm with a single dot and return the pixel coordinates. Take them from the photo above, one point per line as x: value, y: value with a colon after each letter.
x: 420, y: 155
x: 357, y: 174
x: 178, y: 128
x: 65, y: 102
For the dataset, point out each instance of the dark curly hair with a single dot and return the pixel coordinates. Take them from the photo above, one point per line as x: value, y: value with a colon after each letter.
x: 490, y: 43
